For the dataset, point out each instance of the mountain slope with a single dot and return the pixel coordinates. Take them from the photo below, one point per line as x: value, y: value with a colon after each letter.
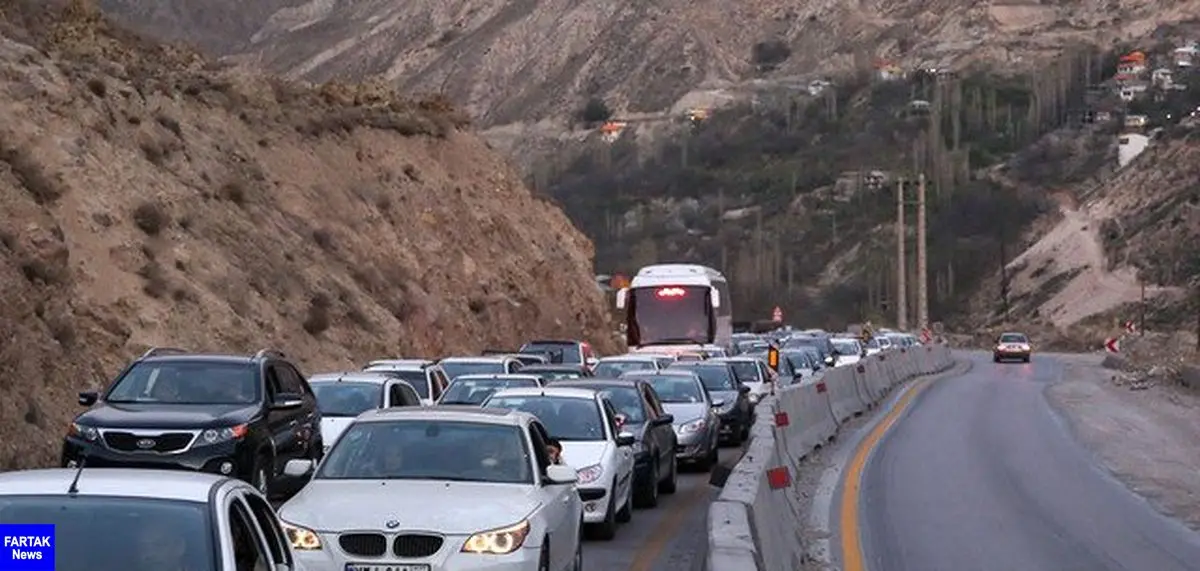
x: 149, y: 197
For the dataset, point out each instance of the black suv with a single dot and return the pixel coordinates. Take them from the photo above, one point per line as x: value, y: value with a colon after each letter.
x: 225, y: 414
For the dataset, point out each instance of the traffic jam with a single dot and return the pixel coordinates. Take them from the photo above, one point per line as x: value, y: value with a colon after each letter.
x: 506, y: 460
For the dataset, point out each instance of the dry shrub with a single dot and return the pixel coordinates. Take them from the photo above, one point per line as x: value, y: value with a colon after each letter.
x: 150, y: 217
x: 318, y: 320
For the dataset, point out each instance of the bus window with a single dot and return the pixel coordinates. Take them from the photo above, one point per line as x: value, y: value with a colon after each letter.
x: 670, y: 314
x: 726, y: 309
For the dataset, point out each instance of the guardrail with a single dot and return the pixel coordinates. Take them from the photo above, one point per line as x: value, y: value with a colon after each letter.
x: 755, y: 522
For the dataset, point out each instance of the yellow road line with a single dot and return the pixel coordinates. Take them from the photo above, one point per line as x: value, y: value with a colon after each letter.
x: 852, y: 553
x: 668, y: 528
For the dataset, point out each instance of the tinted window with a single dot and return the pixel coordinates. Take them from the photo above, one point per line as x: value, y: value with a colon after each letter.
x: 873, y: 343
x: 726, y: 309
x: 627, y: 401
x: 403, y: 395
x: 475, y: 391
x: 675, y: 314
x: 1012, y: 338
x: 567, y: 419
x: 557, y: 352
x: 289, y: 381
x: 676, y: 388
x: 715, y: 378
x: 417, y: 379
x: 457, y: 369
x: 154, y: 534
x: 746, y: 371
x: 347, y: 398
x: 247, y: 549
x: 846, y: 347
x: 429, y: 450
x: 269, y: 525
x: 188, y: 382
x: 615, y: 368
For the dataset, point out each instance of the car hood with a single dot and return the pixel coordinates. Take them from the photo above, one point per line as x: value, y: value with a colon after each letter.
x: 583, y: 454
x: 461, y: 508
x: 332, y: 427
x: 685, y: 412
x: 157, y: 415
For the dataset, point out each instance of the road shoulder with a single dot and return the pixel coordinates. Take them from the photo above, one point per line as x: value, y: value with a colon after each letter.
x: 1146, y: 438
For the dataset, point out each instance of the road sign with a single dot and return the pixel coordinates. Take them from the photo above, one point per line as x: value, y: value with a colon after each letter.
x: 1112, y: 345
x: 1130, y: 327
x: 773, y: 358
x: 926, y: 335
x: 619, y: 281
x: 777, y: 315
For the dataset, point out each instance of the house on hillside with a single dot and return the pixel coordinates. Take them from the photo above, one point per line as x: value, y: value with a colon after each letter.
x: 1132, y: 64
x: 696, y: 114
x: 1132, y: 91
x: 1135, y: 123
x: 1185, y: 56
x: 1162, y: 78
x: 818, y: 86
x: 888, y: 71
x: 611, y: 131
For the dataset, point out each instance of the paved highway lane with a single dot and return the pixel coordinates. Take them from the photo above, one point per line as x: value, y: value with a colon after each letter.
x: 670, y: 537
x: 979, y: 472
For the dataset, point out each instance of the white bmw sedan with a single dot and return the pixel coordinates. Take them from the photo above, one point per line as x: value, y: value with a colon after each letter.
x: 434, y: 489
x: 585, y: 424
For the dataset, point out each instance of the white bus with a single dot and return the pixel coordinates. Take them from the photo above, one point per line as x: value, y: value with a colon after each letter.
x: 680, y: 305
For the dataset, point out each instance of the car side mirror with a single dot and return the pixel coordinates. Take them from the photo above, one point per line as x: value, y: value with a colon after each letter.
x: 298, y: 468
x: 561, y: 474
x: 88, y: 398
x: 626, y: 439
x: 285, y: 401
x: 665, y: 419
x: 718, y: 403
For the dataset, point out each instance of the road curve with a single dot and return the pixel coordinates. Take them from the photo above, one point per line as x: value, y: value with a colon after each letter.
x: 670, y: 537
x: 980, y: 473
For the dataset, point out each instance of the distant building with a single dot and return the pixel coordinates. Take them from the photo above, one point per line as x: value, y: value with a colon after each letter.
x: 1185, y: 56
x: 888, y: 71
x: 1136, y: 122
x: 611, y: 131
x: 697, y: 114
x: 1129, y: 146
x: 1162, y: 78
x: 1131, y: 91
x: 818, y: 86
x: 1133, y: 64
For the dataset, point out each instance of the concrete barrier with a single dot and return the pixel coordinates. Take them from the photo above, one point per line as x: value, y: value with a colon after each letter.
x: 844, y: 400
x: 754, y: 524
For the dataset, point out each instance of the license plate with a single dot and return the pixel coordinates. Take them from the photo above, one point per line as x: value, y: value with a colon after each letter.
x: 387, y: 567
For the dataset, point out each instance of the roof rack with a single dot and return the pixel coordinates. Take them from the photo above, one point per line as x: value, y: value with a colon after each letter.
x: 263, y: 353
x: 156, y: 351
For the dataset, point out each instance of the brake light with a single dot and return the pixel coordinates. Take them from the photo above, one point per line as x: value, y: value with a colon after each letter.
x: 671, y: 292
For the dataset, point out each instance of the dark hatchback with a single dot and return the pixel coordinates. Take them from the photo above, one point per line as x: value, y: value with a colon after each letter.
x: 721, y: 382
x: 239, y: 416
x: 641, y: 413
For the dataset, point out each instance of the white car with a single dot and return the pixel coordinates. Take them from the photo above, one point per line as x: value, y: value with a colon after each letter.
x: 613, y: 367
x: 455, y: 367
x: 137, y: 519
x: 753, y: 373
x: 584, y: 423
x: 436, y: 489
x: 474, y: 389
x: 343, y: 396
x: 850, y: 351
x: 425, y: 376
x: 873, y: 347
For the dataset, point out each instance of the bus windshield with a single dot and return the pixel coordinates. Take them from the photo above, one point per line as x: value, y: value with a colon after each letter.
x: 665, y: 315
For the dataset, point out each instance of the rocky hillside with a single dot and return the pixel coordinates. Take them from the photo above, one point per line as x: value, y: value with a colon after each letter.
x: 526, y: 60
x: 150, y: 197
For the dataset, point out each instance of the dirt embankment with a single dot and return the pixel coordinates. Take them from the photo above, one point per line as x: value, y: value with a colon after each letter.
x: 149, y: 197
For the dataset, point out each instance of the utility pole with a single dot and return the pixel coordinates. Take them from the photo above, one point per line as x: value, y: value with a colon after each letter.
x: 922, y: 272
x: 901, y: 264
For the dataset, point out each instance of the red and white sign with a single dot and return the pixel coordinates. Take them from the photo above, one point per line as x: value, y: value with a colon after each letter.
x: 1112, y: 345
x: 1130, y: 327
x: 926, y: 335
x: 777, y: 315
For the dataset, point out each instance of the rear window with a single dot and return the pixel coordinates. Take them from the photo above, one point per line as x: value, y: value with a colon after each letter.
x: 1013, y: 338
x: 347, y: 399
x: 746, y: 372
x: 616, y: 368
x: 557, y: 352
x: 457, y: 369
x: 714, y: 378
x: 417, y: 379
x: 471, y: 391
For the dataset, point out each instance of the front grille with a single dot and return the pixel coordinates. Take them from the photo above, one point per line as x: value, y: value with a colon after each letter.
x: 129, y: 442
x: 591, y: 494
x: 363, y: 544
x: 416, y: 545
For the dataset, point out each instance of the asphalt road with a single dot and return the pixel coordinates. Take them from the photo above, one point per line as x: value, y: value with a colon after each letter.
x: 670, y: 537
x: 980, y: 473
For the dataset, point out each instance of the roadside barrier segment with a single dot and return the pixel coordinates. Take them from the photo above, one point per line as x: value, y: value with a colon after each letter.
x: 754, y: 525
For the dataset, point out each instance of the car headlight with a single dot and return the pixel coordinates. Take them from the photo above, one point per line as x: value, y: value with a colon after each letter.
x: 498, y: 541
x: 301, y: 538
x: 590, y: 474
x: 693, y: 426
x: 754, y: 398
x: 219, y: 435
x: 84, y: 432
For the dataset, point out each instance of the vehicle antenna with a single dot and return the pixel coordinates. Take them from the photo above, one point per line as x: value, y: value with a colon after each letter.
x: 74, y: 489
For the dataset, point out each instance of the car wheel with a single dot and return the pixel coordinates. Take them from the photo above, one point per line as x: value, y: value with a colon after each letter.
x: 577, y: 565
x: 607, y: 529
x: 626, y: 512
x: 714, y: 454
x: 544, y: 557
x: 995, y: 358
x: 260, y: 479
x: 648, y: 493
x: 671, y: 484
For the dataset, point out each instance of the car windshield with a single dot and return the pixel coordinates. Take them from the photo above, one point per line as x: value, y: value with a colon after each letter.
x: 565, y: 418
x: 800, y: 359
x: 155, y: 534
x: 1013, y: 338
x: 456, y: 369
x: 715, y: 378
x: 558, y: 352
x: 475, y: 391
x: 676, y: 388
x: 416, y: 378
x: 846, y: 347
x: 627, y: 401
x: 346, y: 398
x: 746, y: 372
x: 188, y: 382
x: 615, y: 368
x: 873, y: 343
x: 429, y: 450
